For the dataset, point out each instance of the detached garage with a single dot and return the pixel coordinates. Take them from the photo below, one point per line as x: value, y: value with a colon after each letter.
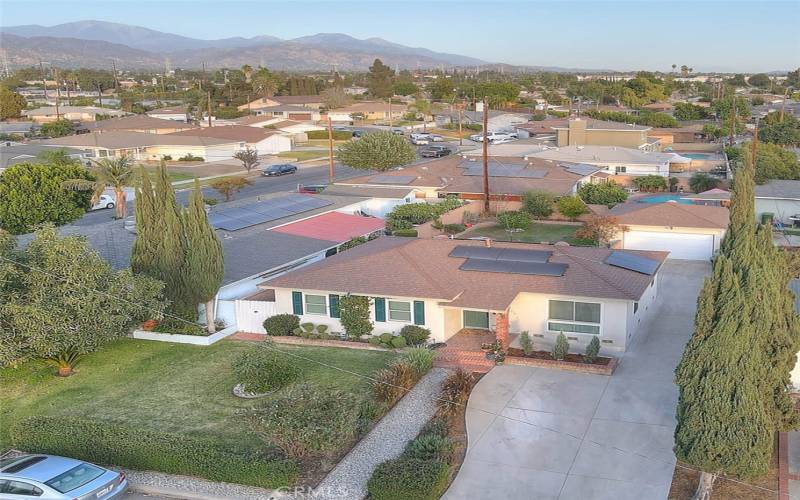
x: 687, y: 232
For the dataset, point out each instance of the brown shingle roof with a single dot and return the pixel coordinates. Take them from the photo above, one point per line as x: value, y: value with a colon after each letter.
x: 297, y: 99
x: 230, y: 132
x: 123, y: 139
x: 137, y: 122
x: 671, y: 214
x: 422, y: 268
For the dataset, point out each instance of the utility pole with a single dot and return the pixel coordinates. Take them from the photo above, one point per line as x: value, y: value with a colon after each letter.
x: 390, y: 112
x: 783, y: 104
x: 485, y: 155
x: 460, y: 133
x: 209, y: 108
x: 330, y: 151
x: 754, y: 145
x: 733, y: 119
x: 58, y: 94
x: 116, y: 82
x: 44, y: 80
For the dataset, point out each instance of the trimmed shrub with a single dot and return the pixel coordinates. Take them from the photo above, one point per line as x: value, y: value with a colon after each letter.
x: 308, y: 421
x: 436, y: 426
x: 190, y: 157
x: 408, y: 233
x: 322, y: 329
x: 538, y: 203
x: 592, y: 350
x: 398, y: 342
x: 393, y: 382
x: 608, y: 193
x: 514, y: 220
x: 145, y: 449
x: 309, y: 327
x: 454, y: 228
x: 386, y: 337
x: 407, y: 478
x: 526, y: 343
x: 431, y: 447
x: 420, y: 358
x: 262, y: 369
x: 354, y: 315
x: 281, y: 324
x: 415, y: 335
x: 572, y: 207
x: 374, y: 340
x: 455, y: 393
x: 338, y: 135
x: 561, y: 348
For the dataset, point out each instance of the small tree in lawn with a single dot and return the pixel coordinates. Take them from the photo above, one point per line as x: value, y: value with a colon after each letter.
x: 601, y: 229
x: 701, y: 181
x: 248, y: 157
x: 650, y: 183
x: 354, y: 315
x: 539, y: 203
x: 377, y: 151
x: 514, y: 221
x: 572, y: 207
x: 229, y: 186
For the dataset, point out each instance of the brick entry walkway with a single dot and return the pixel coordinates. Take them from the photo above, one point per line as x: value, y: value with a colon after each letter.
x: 464, y: 351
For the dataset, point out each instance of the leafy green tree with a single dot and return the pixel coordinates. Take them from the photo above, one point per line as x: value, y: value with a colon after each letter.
x: 773, y: 162
x: 572, y: 207
x: 204, y: 267
x: 11, y: 103
x: 229, y: 186
x: 379, y: 79
x: 404, y: 88
x: 685, y: 111
x: 58, y: 128
x: 724, y: 107
x: 115, y: 173
x: 265, y: 83
x: 760, y: 80
x: 539, y: 203
x: 354, y: 315
x: 793, y: 78
x: 514, y: 221
x: 607, y: 193
x: 785, y: 134
x: 650, y: 183
x: 377, y: 151
x: 32, y: 194
x: 68, y: 301
x: 701, y: 181
x: 442, y: 89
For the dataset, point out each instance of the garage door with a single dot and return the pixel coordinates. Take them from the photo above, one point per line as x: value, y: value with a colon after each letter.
x: 680, y: 245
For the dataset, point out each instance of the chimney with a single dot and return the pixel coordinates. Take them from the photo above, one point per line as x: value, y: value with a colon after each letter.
x: 488, y: 242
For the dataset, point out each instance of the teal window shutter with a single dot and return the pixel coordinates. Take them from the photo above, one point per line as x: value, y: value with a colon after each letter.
x: 419, y: 312
x: 297, y: 303
x: 380, y: 309
x: 333, y: 301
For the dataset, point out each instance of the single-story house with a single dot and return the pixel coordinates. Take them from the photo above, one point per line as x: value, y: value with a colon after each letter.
x: 618, y: 161
x: 263, y: 140
x: 448, y: 285
x: 72, y: 113
x: 368, y: 110
x: 174, y: 113
x: 781, y: 198
x: 588, y: 131
x: 312, y: 102
x: 691, y: 232
x: 138, y: 123
x: 141, y: 146
x: 24, y: 153
x: 540, y: 128
x: 288, y: 112
x: 498, y: 120
x: 378, y: 200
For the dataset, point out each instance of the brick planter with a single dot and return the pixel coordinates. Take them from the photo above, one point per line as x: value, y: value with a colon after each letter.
x: 596, y: 369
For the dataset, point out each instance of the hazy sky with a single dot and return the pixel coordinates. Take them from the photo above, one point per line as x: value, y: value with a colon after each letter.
x: 645, y: 34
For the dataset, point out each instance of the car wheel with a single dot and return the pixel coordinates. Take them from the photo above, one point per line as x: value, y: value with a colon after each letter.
x: 110, y: 205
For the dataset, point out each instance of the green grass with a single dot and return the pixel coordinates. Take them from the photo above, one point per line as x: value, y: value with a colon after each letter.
x: 537, y: 233
x: 166, y: 387
x: 303, y: 155
x: 794, y: 232
x: 174, y: 175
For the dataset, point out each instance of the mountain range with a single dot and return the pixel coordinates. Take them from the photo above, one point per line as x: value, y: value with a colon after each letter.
x: 95, y: 44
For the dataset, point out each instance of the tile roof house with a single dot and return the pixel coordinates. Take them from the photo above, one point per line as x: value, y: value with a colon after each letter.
x: 447, y: 285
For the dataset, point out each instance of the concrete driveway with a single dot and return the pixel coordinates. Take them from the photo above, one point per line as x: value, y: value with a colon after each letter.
x: 578, y: 436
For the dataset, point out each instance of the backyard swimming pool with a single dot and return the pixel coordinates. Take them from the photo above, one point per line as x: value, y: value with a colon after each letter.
x: 702, y: 156
x: 663, y: 198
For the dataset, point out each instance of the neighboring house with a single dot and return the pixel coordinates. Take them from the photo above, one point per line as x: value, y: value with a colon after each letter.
x: 509, y: 178
x: 618, y: 161
x: 540, y: 128
x: 263, y: 140
x: 73, y: 113
x: 378, y: 200
x: 588, y: 131
x: 138, y: 123
x: 18, y: 127
x: 659, y: 107
x: 497, y: 120
x: 779, y: 198
x: 176, y: 113
x: 154, y: 147
x: 713, y: 197
x: 689, y: 232
x: 312, y: 102
x: 447, y: 285
x: 368, y: 110
x: 288, y: 112
x: 686, y: 134
x: 24, y: 153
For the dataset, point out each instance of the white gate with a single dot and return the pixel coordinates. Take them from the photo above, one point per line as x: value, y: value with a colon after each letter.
x: 250, y: 315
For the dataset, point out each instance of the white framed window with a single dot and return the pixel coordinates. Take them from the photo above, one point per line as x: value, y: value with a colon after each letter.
x: 400, y: 311
x: 316, y: 304
x: 476, y: 319
x: 574, y: 317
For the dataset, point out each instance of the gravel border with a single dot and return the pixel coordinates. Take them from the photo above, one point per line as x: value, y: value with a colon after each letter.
x: 174, y: 486
x: 387, y: 440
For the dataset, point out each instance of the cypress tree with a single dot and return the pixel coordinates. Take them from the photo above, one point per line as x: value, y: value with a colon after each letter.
x: 143, y: 252
x: 171, y: 247
x: 204, y: 265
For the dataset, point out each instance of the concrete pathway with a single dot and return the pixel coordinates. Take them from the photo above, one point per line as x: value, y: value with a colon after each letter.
x: 564, y: 435
x: 348, y: 480
x: 789, y: 453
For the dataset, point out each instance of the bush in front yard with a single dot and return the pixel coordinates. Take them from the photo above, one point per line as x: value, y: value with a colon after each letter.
x: 420, y: 359
x: 415, y: 335
x: 592, y: 350
x: 407, y: 478
x: 455, y: 393
x: 392, y: 383
x: 144, y: 449
x: 262, y: 368
x: 431, y: 447
x: 281, y: 324
x: 561, y: 347
x: 308, y: 421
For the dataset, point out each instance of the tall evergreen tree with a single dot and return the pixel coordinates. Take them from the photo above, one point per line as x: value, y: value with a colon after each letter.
x: 143, y: 253
x: 204, y: 266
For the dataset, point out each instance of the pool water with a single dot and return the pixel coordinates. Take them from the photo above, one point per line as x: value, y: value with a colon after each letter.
x: 699, y: 156
x: 665, y: 198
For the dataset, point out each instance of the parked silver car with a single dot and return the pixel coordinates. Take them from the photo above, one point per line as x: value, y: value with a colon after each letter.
x: 57, y: 478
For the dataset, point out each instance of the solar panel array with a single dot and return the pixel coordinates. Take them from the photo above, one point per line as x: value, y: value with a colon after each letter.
x: 580, y: 168
x: 508, y: 260
x: 233, y: 219
x: 633, y: 262
x: 392, y: 179
x: 496, y: 170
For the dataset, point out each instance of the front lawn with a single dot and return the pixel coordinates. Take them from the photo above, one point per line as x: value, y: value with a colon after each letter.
x: 166, y: 387
x: 303, y: 155
x: 537, y: 233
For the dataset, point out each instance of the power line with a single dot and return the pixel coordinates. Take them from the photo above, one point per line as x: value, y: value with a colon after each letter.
x: 376, y: 381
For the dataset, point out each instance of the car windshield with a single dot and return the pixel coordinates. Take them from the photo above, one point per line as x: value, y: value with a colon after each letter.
x: 75, y: 478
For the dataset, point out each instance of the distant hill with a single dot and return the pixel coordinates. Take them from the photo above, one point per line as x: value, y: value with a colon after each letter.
x: 74, y: 53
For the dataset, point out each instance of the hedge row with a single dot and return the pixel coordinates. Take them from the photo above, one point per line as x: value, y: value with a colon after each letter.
x: 143, y: 449
x: 338, y: 135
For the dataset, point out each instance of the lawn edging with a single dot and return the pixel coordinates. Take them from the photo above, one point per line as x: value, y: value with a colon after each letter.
x: 596, y: 369
x: 179, y: 338
x: 291, y: 340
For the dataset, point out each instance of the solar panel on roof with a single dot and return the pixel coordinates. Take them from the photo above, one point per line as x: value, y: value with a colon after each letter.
x: 506, y: 254
x: 392, y: 179
x: 474, y: 252
x: 633, y: 262
x: 581, y: 169
x: 233, y: 219
x: 514, y: 267
x: 520, y: 171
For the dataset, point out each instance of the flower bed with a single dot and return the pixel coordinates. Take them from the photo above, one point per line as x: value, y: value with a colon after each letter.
x: 347, y: 344
x: 572, y: 362
x: 182, y: 338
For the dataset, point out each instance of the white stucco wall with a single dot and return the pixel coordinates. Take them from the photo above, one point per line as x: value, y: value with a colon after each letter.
x: 781, y: 208
x: 273, y: 144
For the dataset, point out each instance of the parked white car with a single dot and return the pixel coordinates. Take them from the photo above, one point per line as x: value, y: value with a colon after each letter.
x: 105, y: 201
x: 492, y: 137
x: 420, y: 139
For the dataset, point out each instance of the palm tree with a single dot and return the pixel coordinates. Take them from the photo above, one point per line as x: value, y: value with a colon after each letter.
x: 673, y: 67
x: 116, y: 173
x: 248, y: 72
